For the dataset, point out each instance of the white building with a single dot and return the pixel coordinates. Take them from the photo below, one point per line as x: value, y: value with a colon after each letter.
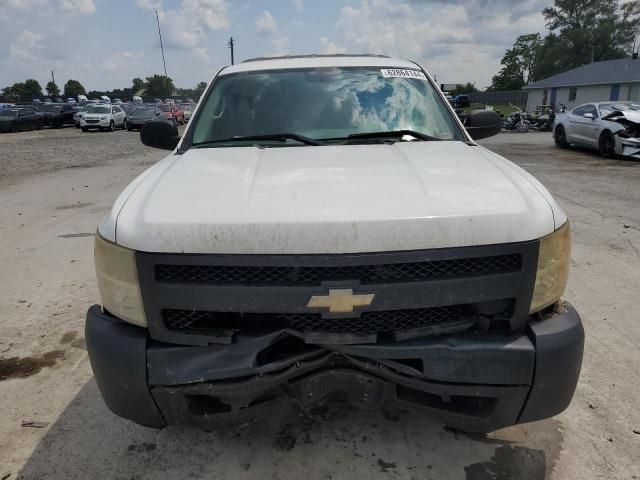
x: 594, y: 82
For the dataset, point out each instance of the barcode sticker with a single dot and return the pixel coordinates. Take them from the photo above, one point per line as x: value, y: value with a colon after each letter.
x: 402, y: 73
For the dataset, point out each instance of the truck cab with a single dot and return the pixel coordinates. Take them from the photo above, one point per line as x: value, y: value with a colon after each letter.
x: 327, y: 224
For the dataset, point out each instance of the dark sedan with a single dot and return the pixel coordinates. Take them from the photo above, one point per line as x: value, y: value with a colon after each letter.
x: 16, y: 119
x: 140, y: 116
x: 57, y: 115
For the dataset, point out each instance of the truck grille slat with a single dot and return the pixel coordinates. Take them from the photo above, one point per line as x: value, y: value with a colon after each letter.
x: 366, y: 274
x: 197, y: 321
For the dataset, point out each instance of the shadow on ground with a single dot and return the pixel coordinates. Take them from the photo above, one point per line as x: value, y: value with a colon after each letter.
x: 335, y: 442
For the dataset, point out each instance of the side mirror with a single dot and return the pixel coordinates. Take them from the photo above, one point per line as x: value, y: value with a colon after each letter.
x: 588, y: 115
x: 160, y: 134
x: 483, y: 123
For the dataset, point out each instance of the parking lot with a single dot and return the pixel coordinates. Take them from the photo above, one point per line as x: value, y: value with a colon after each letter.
x: 57, y: 184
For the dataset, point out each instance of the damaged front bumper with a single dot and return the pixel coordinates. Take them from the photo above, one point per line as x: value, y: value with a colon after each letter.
x: 471, y: 381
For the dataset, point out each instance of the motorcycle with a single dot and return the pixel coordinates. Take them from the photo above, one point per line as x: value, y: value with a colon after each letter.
x: 516, y: 121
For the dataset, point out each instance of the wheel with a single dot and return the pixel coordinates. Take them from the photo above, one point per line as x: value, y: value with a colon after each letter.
x: 14, y: 128
x: 58, y: 124
x: 607, y: 145
x: 85, y: 129
x: 560, y: 137
x: 129, y: 129
x: 112, y: 126
x: 522, y: 126
x: 39, y: 126
x: 124, y: 124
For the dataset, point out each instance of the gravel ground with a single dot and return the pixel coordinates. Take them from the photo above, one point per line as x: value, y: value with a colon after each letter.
x: 55, y: 186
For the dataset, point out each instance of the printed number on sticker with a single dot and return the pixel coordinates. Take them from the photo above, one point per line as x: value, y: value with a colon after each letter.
x: 402, y: 73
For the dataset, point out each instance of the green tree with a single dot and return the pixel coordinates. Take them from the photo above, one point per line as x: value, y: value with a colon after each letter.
x: 594, y: 30
x: 464, y: 88
x: 138, y: 84
x: 518, y: 63
x: 200, y: 88
x: 26, y: 90
x: 52, y: 89
x: 159, y: 86
x: 73, y: 88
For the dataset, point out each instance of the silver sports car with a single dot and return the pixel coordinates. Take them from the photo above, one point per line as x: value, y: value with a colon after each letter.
x: 612, y: 128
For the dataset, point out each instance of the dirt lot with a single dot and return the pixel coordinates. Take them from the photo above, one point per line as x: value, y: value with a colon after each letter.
x: 55, y: 186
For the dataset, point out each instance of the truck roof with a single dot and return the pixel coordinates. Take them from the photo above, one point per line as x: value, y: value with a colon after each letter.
x: 310, y: 61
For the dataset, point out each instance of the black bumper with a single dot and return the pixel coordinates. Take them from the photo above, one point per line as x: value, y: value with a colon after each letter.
x: 471, y: 381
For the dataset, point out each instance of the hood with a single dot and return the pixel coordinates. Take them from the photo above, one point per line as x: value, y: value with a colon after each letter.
x: 629, y: 115
x: 330, y: 199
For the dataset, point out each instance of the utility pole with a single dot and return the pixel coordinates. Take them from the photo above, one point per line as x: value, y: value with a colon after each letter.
x: 53, y: 79
x: 231, y: 44
x: 166, y: 77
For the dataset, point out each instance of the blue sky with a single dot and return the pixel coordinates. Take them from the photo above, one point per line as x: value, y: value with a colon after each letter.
x: 106, y: 43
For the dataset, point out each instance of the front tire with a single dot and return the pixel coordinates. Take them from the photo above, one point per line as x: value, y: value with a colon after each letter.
x: 124, y: 124
x: 607, y: 145
x: 560, y: 137
x: 85, y: 129
x: 522, y: 126
x: 112, y: 126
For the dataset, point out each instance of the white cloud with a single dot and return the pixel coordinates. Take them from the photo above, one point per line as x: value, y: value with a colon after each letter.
x: 201, y: 53
x: 331, y: 48
x: 80, y: 6
x: 122, y: 61
x: 187, y: 27
x: 266, y: 24
x: 299, y: 4
x: 27, y: 46
x: 458, y: 41
x: 149, y: 4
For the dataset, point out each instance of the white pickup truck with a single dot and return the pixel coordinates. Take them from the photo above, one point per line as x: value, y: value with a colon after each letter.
x: 324, y: 225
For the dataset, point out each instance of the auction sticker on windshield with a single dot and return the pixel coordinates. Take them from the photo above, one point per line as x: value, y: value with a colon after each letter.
x: 402, y: 73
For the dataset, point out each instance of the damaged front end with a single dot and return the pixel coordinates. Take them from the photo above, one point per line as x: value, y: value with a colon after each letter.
x: 236, y: 338
x: 629, y: 135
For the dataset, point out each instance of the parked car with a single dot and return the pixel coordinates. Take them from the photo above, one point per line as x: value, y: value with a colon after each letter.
x: 80, y: 111
x: 612, y: 128
x: 172, y: 113
x: 307, y: 238
x: 103, y: 117
x: 6, y: 106
x: 462, y: 101
x: 140, y: 116
x: 17, y: 119
x: 57, y: 114
x: 187, y: 108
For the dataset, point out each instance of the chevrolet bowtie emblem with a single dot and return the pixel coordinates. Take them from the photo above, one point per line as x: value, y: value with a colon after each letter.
x: 341, y: 300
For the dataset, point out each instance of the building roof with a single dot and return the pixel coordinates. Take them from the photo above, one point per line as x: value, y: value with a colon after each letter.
x: 318, y: 61
x: 623, y: 70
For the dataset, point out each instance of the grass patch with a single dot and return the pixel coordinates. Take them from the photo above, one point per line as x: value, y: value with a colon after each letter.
x: 504, y: 110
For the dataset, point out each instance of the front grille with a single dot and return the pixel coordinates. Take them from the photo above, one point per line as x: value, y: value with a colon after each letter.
x: 89, y: 120
x: 382, y: 273
x: 229, y: 323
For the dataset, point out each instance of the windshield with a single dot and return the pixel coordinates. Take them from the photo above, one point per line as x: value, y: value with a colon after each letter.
x: 50, y: 108
x: 144, y: 112
x: 323, y: 103
x: 98, y: 109
x: 8, y: 113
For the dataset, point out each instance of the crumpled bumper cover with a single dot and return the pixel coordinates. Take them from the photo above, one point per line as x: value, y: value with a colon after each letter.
x: 471, y: 381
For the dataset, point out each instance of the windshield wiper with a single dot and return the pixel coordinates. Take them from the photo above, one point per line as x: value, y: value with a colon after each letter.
x: 274, y: 136
x: 394, y: 134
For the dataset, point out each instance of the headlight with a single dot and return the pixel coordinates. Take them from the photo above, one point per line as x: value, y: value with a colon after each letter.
x: 553, y: 268
x: 118, y: 281
x: 103, y: 118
